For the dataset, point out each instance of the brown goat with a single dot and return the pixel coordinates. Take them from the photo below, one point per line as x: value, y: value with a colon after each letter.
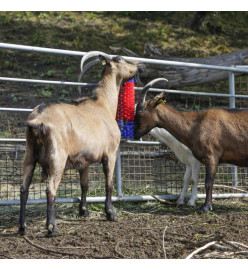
x: 63, y: 136
x: 214, y: 136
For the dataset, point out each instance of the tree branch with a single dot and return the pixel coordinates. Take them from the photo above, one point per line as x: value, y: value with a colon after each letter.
x: 200, y: 249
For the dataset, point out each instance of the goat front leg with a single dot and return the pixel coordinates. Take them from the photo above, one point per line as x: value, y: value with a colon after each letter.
x: 211, y: 169
x: 108, y: 169
x: 28, y: 170
x: 84, y: 181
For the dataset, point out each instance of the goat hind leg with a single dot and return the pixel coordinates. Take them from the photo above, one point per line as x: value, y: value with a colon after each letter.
x: 196, y: 167
x: 28, y: 170
x: 84, y: 181
x: 50, y: 224
x: 108, y: 168
x: 44, y: 175
x: 186, y: 180
x: 51, y: 196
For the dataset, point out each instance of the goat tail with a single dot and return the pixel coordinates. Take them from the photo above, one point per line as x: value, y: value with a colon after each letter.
x: 38, y: 129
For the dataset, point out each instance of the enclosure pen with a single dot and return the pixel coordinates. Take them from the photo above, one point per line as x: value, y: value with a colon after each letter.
x: 143, y: 168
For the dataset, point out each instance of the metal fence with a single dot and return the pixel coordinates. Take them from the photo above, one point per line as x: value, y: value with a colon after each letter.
x: 142, y: 168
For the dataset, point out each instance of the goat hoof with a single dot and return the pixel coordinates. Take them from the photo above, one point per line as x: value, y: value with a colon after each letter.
x: 180, y: 202
x: 52, y: 231
x: 84, y: 212
x: 111, y: 216
x: 191, y: 204
x: 23, y: 230
x: 205, y: 208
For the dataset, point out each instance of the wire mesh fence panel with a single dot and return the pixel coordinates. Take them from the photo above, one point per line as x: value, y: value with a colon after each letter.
x: 12, y: 124
x: 10, y: 170
x: 11, y: 158
x: 149, y: 169
x: 146, y: 170
x: 156, y: 170
x: 224, y: 181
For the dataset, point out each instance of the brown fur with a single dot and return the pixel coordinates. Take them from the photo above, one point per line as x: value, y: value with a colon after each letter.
x: 214, y: 136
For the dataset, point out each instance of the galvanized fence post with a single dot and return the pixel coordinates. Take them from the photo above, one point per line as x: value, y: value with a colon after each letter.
x: 232, y: 105
x: 118, y: 173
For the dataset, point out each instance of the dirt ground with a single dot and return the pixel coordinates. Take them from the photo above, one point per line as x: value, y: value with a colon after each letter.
x: 148, y: 230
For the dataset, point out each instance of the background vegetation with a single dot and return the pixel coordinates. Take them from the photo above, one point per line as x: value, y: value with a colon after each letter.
x: 179, y: 34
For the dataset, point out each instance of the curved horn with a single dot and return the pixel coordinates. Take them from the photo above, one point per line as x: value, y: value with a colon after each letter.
x: 87, y: 67
x: 93, y: 54
x: 142, y: 95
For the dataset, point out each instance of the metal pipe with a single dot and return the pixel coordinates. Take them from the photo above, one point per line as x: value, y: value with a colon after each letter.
x: 125, y: 198
x: 45, y: 81
x: 16, y: 110
x: 136, y: 88
x: 128, y: 141
x: 118, y: 173
x: 183, y: 64
x: 232, y: 105
x: 12, y: 140
x: 143, y: 142
x: 40, y: 49
x: 153, y: 90
x: 192, y: 93
x: 231, y: 90
x: 138, y: 59
x: 40, y: 201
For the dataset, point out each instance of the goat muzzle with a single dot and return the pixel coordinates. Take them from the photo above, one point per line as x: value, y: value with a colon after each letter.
x: 141, y: 67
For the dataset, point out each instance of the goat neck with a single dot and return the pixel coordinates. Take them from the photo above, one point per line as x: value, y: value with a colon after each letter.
x: 179, y: 123
x: 108, y: 91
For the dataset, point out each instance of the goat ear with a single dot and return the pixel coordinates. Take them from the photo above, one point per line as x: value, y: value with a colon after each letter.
x: 161, y: 98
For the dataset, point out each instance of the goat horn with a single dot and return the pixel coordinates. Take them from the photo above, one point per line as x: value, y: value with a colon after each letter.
x: 87, y: 67
x: 93, y: 54
x: 142, y: 95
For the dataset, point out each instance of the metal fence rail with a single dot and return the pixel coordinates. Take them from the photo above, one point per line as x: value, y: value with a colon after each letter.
x: 142, y: 168
x: 138, y: 59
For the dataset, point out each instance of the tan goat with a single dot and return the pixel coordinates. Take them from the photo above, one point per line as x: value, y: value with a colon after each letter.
x: 214, y: 136
x: 63, y: 136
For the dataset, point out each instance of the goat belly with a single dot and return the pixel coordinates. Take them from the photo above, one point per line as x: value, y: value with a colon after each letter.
x: 237, y: 162
x: 239, y: 159
x: 79, y: 161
